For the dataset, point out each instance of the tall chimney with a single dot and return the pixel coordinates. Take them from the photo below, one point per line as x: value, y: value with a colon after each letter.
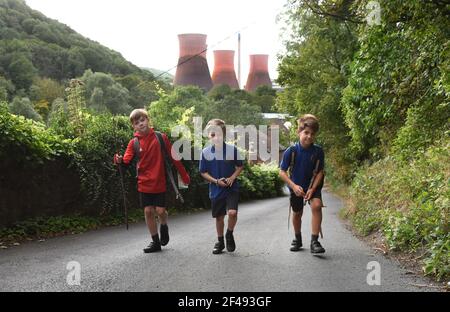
x: 224, y: 69
x: 192, y: 66
x: 259, y: 72
x: 239, y: 60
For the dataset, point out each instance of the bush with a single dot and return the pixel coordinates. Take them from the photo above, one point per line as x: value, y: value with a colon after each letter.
x: 260, y: 181
x: 409, y: 201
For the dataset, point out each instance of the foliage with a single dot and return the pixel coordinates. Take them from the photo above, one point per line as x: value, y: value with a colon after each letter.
x: 46, y: 227
x: 104, y: 94
x: 260, y: 181
x: 409, y: 202
x: 381, y: 92
x: 398, y: 72
x: 23, y: 107
x: 314, y: 71
x: 29, y: 141
x: 38, y: 55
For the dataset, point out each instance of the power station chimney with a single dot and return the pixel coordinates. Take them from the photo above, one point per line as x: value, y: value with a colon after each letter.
x: 224, y: 69
x: 259, y: 72
x: 239, y: 60
x: 192, y: 66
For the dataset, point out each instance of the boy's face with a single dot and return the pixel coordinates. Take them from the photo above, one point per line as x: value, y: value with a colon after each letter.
x: 215, y: 135
x: 141, y: 125
x: 307, y: 137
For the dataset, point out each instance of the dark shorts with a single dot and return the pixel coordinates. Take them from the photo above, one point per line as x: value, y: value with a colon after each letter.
x: 152, y: 199
x: 297, y: 202
x: 222, y: 205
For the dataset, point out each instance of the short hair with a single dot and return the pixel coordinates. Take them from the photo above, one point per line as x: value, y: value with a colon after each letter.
x: 137, y: 114
x: 217, y: 123
x: 308, y: 121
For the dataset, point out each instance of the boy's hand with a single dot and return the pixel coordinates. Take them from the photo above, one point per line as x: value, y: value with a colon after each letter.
x: 298, y: 190
x: 229, y: 181
x: 222, y: 182
x: 309, y: 194
x: 118, y: 159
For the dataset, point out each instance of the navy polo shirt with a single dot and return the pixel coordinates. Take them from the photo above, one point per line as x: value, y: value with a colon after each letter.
x: 220, y: 166
x: 304, y: 163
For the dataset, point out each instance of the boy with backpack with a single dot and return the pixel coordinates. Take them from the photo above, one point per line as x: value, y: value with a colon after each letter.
x: 148, y: 146
x: 305, y: 180
x: 220, y: 166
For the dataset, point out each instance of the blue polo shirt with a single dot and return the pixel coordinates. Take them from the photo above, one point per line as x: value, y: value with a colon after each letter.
x: 220, y: 166
x: 304, y: 163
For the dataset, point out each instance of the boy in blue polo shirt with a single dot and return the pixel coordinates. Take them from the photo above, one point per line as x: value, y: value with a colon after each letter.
x: 220, y: 166
x: 305, y: 161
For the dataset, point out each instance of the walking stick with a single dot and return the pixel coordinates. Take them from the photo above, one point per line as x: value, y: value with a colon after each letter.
x: 119, y: 165
x: 123, y: 194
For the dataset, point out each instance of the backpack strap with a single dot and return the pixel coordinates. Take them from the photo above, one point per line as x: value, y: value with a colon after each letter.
x: 169, y: 171
x: 292, y: 160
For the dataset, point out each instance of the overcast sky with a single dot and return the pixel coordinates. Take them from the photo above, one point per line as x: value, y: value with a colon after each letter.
x: 145, y: 31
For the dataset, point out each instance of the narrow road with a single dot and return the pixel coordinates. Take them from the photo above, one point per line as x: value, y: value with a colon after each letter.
x: 111, y: 259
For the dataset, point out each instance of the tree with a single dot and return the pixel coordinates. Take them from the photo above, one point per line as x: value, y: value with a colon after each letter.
x: 102, y: 92
x: 21, y: 71
x: 46, y: 89
x: 23, y: 107
x: 6, y: 89
x: 314, y: 72
x: 265, y: 98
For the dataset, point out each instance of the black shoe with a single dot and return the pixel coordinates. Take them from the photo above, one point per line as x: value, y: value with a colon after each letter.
x: 218, y: 248
x: 153, y: 247
x: 316, y: 247
x: 231, y: 245
x: 164, y: 229
x: 296, y: 245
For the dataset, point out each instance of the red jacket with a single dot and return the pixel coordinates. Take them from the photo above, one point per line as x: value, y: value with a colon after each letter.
x: 151, y: 168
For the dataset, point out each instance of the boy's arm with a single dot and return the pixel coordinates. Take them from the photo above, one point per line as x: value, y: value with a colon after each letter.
x: 297, y: 189
x: 203, y: 168
x: 233, y: 177
x: 318, y: 179
x: 211, y: 179
x: 180, y: 168
x: 126, y: 159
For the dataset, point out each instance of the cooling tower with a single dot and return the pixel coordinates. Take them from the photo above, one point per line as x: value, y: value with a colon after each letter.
x: 259, y: 72
x: 224, y: 69
x: 192, y: 64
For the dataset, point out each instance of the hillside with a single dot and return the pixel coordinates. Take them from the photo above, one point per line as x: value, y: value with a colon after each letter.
x: 33, y: 45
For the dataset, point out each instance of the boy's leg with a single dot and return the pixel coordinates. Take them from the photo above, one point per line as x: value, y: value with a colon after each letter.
x: 316, y: 211
x: 220, y: 245
x: 164, y: 228
x: 297, y: 209
x: 232, y: 208
x: 220, y: 225
x: 232, y: 219
x: 155, y: 245
x: 219, y: 212
x: 150, y: 215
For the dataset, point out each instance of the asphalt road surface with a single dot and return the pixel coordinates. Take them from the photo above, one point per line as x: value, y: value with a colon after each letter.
x: 111, y: 259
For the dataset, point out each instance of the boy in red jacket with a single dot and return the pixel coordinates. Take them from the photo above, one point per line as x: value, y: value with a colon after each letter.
x: 151, y: 176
